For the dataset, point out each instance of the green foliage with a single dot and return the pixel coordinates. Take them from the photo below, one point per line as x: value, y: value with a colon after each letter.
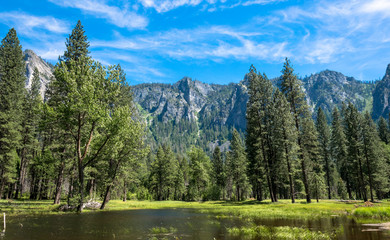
x: 12, y: 92
x: 76, y: 45
x: 199, y: 174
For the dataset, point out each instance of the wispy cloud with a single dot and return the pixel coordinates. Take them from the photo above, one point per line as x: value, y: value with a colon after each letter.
x: 214, y: 43
x: 28, y: 24
x: 211, y: 5
x: 123, y: 18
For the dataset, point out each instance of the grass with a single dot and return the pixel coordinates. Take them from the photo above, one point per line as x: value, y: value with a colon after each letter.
x: 26, y: 207
x: 251, y: 210
x: 163, y: 230
x: 285, y: 232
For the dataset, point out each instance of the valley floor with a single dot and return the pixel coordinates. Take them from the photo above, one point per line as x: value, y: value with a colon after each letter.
x: 251, y: 210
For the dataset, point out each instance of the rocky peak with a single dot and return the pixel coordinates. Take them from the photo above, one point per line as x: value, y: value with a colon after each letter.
x: 387, y: 74
x: 45, y: 69
x: 381, y: 96
x: 328, y: 76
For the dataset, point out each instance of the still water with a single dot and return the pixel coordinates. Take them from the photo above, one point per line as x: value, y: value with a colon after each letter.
x: 139, y: 224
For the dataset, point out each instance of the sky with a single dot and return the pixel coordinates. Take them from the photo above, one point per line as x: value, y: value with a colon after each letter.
x: 213, y: 41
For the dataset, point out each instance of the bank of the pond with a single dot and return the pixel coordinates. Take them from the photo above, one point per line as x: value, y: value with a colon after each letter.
x: 377, y: 212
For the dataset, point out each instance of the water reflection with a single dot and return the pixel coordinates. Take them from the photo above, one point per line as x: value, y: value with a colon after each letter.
x: 163, y: 224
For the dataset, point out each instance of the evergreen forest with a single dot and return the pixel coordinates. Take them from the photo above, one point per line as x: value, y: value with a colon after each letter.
x: 86, y: 140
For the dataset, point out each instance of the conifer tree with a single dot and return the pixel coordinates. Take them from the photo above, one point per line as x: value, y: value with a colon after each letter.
x: 339, y: 150
x: 12, y: 92
x: 161, y: 173
x: 199, y: 174
x: 86, y: 94
x: 291, y: 87
x: 324, y: 146
x: 371, y: 150
x: 255, y: 165
x: 285, y: 137
x: 353, y: 134
x: 218, y: 170
x: 31, y: 119
x: 383, y: 130
x: 76, y: 45
x: 238, y: 165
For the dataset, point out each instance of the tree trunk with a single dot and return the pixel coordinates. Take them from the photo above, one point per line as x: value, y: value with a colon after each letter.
x: 328, y: 175
x: 361, y: 179
x: 57, y: 198
x: 106, y: 197
x: 369, y: 174
x: 81, y: 188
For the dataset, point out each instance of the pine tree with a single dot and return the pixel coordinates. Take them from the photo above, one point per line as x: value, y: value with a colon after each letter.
x: 218, y: 170
x: 31, y: 120
x: 371, y: 149
x: 383, y: 130
x: 353, y: 134
x: 285, y: 137
x: 291, y: 87
x: 76, y: 45
x: 238, y: 165
x: 339, y: 150
x: 161, y: 173
x: 199, y: 174
x: 12, y: 92
x: 324, y: 142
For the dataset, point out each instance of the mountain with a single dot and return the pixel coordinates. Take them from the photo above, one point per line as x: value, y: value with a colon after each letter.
x: 190, y: 112
x: 328, y: 89
x: 381, y: 97
x: 45, y: 69
x: 195, y: 113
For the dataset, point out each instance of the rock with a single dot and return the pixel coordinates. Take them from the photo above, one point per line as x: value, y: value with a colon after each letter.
x: 45, y: 69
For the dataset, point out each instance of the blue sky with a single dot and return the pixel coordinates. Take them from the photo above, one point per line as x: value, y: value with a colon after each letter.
x: 214, y: 41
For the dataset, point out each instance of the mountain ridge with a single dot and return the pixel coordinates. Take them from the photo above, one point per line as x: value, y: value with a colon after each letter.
x: 191, y: 112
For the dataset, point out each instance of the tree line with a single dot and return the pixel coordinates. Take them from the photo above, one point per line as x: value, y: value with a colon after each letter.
x: 84, y: 139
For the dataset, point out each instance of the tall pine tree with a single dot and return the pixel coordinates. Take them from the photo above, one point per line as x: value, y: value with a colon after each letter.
x: 291, y: 87
x: 12, y: 92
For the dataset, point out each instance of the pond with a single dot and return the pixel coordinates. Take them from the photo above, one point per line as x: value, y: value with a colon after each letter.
x: 163, y: 224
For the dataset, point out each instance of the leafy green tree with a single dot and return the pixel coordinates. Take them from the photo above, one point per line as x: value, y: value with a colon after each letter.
x: 12, y: 92
x: 123, y: 151
x: 86, y: 93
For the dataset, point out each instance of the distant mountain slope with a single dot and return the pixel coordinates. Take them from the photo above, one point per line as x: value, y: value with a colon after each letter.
x: 381, y: 95
x: 194, y: 113
x: 45, y: 69
x: 191, y: 112
x: 329, y: 88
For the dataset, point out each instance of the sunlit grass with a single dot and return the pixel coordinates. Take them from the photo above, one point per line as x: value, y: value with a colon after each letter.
x: 285, y: 232
x: 251, y: 210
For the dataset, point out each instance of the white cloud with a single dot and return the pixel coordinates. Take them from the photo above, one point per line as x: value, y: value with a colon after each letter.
x: 261, y: 2
x: 120, y: 17
x: 214, y: 43
x: 211, y: 5
x: 28, y: 24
